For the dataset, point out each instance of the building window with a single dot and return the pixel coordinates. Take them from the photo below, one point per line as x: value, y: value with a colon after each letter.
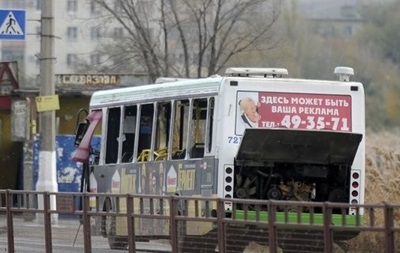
x: 72, y: 6
x: 348, y: 31
x: 95, y: 33
x: 118, y: 32
x: 72, y: 33
x: 94, y: 8
x: 38, y: 5
x: 13, y: 4
x: 95, y: 59
x: 118, y: 6
x: 71, y: 59
x: 145, y: 6
x: 11, y: 55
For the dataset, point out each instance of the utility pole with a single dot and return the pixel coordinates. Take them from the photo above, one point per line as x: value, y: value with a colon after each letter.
x: 47, y: 179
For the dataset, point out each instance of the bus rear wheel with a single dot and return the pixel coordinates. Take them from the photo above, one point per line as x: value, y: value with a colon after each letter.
x: 109, y: 223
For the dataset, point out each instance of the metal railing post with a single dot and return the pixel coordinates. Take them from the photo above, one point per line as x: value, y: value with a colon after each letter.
x: 389, y: 223
x: 221, y: 226
x: 173, y: 226
x: 86, y: 224
x: 328, y: 239
x: 131, y: 224
x: 271, y: 227
x: 47, y: 222
x: 10, y: 222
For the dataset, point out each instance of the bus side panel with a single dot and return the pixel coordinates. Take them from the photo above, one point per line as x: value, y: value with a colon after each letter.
x: 181, y: 177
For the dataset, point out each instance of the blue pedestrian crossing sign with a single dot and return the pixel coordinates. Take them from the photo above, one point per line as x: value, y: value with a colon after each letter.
x: 12, y: 24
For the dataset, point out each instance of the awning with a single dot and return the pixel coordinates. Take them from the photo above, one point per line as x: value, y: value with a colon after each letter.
x: 83, y: 151
x: 261, y: 145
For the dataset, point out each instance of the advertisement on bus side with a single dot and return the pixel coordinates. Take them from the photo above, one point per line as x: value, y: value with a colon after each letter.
x: 293, y: 110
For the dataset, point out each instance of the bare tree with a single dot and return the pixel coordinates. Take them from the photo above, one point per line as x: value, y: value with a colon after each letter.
x: 186, y: 38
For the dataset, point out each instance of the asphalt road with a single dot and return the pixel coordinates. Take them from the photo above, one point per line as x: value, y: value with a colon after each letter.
x: 67, y: 237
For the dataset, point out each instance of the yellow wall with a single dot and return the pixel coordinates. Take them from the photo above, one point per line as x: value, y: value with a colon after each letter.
x: 10, y: 153
x: 69, y: 107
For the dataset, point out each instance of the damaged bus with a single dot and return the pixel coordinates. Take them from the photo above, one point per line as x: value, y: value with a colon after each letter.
x: 252, y: 133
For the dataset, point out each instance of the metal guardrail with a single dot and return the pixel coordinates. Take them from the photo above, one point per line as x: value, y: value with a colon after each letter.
x: 186, y: 224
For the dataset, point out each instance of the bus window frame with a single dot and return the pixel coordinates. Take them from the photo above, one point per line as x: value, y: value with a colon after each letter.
x: 153, y: 131
x: 208, y: 130
x: 171, y: 129
x: 121, y: 137
x: 137, y: 129
x: 104, y: 129
x: 189, y: 133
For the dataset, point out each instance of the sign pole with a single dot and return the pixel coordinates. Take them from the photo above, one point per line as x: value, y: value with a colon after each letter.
x: 47, y: 178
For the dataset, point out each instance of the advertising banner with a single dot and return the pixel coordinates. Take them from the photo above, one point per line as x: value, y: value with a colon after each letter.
x: 293, y: 110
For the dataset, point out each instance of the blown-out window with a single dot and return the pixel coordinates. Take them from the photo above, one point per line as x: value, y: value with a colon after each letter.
x: 192, y: 127
x: 198, y: 127
x: 162, y: 130
x: 145, y: 131
x: 112, y: 137
x: 178, y: 129
x: 180, y: 124
x: 128, y: 133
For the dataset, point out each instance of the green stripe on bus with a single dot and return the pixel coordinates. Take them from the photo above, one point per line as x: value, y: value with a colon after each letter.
x: 305, y: 218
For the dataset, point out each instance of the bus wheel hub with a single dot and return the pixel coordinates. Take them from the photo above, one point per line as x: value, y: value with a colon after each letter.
x: 242, y: 193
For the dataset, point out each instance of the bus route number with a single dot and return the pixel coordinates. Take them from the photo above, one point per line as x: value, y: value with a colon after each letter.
x: 234, y: 139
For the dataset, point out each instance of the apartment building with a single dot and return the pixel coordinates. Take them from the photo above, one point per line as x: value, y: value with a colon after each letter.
x: 78, y: 28
x: 78, y: 31
x: 339, y: 18
x: 81, y: 27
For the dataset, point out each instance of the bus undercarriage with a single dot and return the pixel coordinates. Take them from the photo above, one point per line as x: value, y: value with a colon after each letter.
x: 285, y: 181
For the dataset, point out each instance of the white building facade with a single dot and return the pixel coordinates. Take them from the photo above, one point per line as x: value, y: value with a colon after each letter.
x: 78, y: 29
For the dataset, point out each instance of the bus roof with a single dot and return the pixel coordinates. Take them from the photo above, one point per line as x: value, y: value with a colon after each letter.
x: 169, y: 90
x: 185, y: 88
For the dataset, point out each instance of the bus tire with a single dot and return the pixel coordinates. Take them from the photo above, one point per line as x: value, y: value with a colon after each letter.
x: 109, y: 221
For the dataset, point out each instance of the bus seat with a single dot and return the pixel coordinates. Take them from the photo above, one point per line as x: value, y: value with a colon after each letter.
x: 197, y: 150
x: 179, y: 154
x: 161, y: 154
x: 144, y: 155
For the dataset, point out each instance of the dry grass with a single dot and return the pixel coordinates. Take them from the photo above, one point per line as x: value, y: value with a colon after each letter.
x: 383, y: 167
x: 382, y: 185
